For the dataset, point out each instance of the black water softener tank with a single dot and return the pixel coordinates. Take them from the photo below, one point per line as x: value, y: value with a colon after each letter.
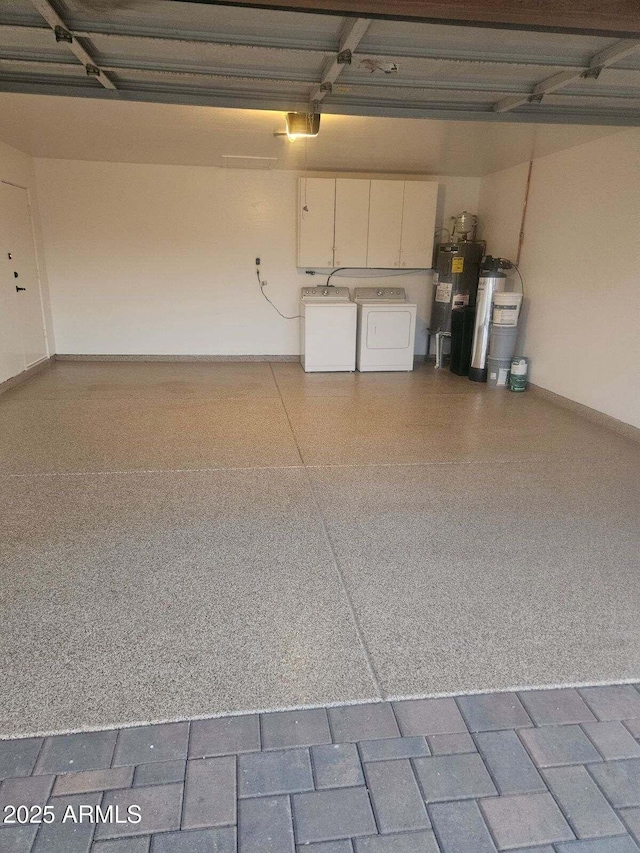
x: 462, y: 325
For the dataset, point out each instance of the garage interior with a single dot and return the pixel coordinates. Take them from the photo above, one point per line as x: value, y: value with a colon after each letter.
x: 353, y: 609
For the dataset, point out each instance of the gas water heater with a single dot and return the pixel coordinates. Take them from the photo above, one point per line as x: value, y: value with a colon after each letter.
x: 456, y: 283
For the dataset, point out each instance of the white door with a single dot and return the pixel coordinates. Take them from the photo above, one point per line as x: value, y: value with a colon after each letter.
x: 418, y: 224
x: 316, y: 218
x: 389, y: 329
x: 11, y: 352
x: 352, y: 222
x: 385, y: 223
x: 22, y: 334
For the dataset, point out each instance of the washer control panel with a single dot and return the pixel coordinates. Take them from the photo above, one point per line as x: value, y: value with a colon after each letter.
x: 314, y: 294
x: 382, y: 294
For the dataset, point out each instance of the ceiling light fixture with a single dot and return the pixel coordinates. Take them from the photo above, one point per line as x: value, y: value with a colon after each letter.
x: 303, y: 125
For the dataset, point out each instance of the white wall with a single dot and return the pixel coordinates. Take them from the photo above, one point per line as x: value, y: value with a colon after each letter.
x: 581, y: 264
x: 18, y: 168
x: 501, y: 201
x: 149, y: 259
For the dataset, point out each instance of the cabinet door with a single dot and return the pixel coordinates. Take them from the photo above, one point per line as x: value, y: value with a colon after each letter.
x: 418, y: 224
x: 316, y: 216
x: 385, y: 223
x: 352, y: 222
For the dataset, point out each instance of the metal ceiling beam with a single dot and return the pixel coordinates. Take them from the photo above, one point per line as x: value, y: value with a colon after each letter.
x: 363, y: 89
x: 135, y: 31
x: 615, y: 53
x: 64, y: 34
x: 597, y: 17
x: 341, y: 106
x: 352, y: 34
x: 365, y: 83
x: 319, y: 47
x: 122, y: 67
x: 600, y: 60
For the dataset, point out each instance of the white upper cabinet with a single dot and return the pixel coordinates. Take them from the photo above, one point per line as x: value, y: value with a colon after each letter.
x: 385, y: 223
x: 357, y: 223
x: 352, y: 223
x: 418, y: 224
x: 316, y: 218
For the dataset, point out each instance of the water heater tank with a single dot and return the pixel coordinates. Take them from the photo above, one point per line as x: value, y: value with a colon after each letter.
x: 456, y: 281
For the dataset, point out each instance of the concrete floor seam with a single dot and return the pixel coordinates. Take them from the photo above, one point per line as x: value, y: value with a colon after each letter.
x: 372, y: 669
x: 135, y: 471
x: 341, y: 579
x: 316, y: 467
x: 286, y: 414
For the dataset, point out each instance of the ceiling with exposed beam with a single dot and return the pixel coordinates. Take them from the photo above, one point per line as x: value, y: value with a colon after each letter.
x: 165, y: 51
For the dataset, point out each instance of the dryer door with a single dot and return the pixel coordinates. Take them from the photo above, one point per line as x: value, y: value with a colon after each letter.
x: 389, y: 328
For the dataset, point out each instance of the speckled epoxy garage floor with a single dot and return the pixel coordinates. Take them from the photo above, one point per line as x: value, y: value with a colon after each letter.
x: 189, y: 539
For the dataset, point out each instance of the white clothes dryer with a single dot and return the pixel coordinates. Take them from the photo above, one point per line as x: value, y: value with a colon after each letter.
x: 386, y: 329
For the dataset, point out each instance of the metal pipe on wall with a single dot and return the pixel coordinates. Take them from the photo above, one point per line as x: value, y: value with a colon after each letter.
x: 524, y: 213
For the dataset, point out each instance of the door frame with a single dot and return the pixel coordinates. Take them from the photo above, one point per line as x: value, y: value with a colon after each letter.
x: 36, y: 255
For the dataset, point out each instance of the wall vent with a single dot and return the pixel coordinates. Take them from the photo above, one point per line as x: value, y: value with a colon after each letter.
x: 237, y: 161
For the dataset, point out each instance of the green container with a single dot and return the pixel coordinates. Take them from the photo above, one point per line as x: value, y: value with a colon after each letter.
x: 518, y: 374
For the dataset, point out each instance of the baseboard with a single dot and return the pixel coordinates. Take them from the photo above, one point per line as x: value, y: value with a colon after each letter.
x: 26, y: 374
x: 593, y: 415
x: 172, y: 358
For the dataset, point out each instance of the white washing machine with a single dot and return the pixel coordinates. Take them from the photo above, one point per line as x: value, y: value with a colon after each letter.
x: 386, y: 328
x: 328, y: 320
